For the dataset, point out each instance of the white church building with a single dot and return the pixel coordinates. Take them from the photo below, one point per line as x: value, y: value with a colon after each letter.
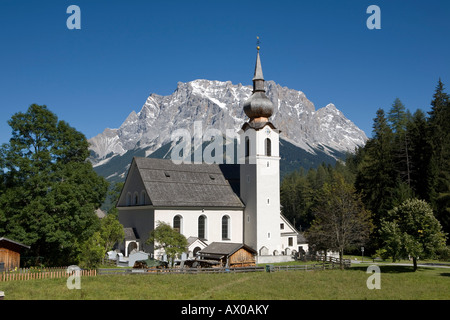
x: 225, y: 203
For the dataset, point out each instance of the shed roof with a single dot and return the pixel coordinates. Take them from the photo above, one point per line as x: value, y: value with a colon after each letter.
x: 3, y: 239
x: 190, y: 185
x: 224, y: 249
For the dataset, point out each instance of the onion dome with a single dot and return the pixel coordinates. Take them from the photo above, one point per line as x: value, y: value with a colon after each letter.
x: 258, y: 107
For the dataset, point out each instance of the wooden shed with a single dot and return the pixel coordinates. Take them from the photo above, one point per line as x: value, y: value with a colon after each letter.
x: 229, y: 254
x: 10, y: 253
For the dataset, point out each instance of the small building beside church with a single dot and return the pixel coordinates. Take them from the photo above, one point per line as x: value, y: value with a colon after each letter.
x: 229, y: 255
x: 227, y: 205
x: 10, y: 253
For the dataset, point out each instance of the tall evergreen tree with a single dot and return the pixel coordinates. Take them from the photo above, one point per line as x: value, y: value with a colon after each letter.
x: 420, y: 152
x: 296, y: 196
x: 398, y: 118
x: 376, y: 178
x: 439, y: 139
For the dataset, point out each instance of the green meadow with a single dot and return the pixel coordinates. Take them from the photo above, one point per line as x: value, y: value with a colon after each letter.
x: 397, y: 283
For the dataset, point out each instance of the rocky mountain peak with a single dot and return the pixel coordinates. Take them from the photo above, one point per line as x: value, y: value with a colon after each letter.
x: 219, y: 104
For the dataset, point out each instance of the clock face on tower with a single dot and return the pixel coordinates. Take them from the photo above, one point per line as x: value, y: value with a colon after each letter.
x: 267, y: 131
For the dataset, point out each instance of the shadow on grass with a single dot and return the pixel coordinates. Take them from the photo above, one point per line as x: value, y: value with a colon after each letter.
x: 445, y: 274
x: 389, y: 269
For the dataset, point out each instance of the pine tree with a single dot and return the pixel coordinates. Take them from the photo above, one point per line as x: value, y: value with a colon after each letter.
x: 439, y: 170
x: 296, y: 197
x: 398, y: 118
x: 376, y: 178
x: 420, y: 152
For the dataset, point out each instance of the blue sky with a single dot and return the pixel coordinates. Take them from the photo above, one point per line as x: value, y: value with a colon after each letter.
x: 94, y: 77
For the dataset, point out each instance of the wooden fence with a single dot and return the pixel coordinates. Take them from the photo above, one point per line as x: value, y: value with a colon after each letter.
x: 331, y: 260
x: 324, y: 265
x: 178, y: 270
x: 47, y: 273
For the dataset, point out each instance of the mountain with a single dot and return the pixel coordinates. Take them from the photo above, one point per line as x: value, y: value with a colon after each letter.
x: 306, y: 133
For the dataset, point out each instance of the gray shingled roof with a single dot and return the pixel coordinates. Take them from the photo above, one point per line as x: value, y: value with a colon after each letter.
x: 187, y: 185
x: 130, y: 234
x: 224, y: 248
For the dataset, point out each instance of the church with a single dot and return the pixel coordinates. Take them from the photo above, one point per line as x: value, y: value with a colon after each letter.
x: 215, y: 203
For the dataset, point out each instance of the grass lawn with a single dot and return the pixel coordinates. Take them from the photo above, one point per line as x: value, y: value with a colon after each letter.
x: 397, y: 282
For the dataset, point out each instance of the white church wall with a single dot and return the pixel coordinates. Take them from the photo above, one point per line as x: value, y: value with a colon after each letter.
x: 289, y: 243
x: 213, y: 225
x: 288, y: 236
x: 274, y: 259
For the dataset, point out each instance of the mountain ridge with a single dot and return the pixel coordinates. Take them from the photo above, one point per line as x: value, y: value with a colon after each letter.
x: 218, y: 104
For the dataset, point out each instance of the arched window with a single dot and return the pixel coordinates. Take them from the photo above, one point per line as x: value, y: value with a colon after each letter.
x: 268, y: 146
x: 142, y: 197
x: 196, y: 249
x: 177, y: 223
x: 132, y: 246
x: 225, y: 228
x: 202, y: 227
x: 128, y: 199
x: 136, y: 199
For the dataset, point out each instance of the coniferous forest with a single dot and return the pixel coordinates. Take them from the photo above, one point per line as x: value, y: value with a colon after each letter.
x: 405, y: 162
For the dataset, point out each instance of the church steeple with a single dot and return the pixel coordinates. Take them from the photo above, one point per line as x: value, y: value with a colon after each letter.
x: 258, y: 107
x: 258, y: 78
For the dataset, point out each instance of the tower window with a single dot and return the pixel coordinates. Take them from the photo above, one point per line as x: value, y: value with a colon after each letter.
x: 247, y: 149
x: 268, y: 145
